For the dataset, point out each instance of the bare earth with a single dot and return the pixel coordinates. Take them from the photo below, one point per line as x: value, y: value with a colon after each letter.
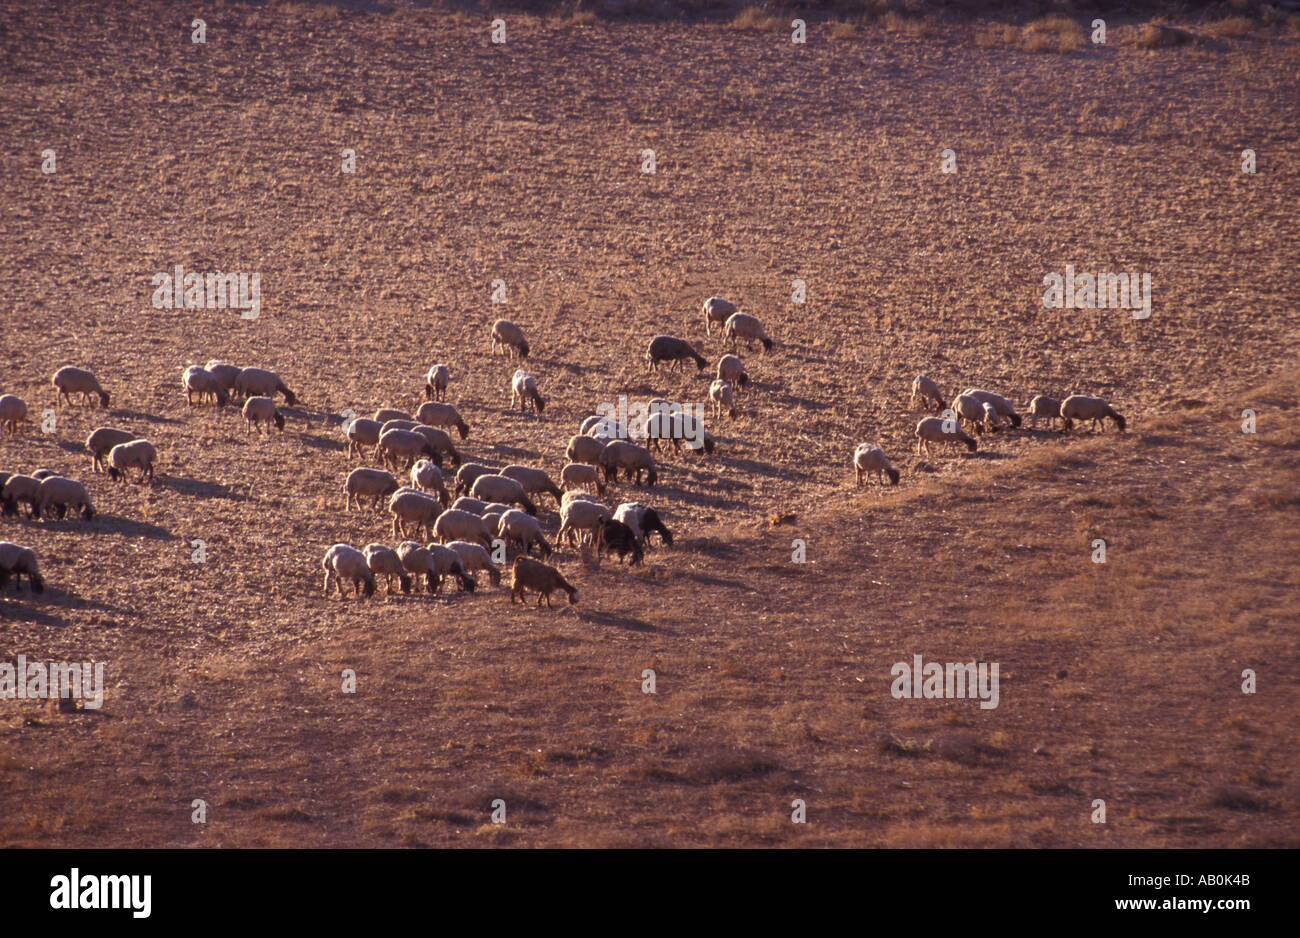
x: 522, y: 162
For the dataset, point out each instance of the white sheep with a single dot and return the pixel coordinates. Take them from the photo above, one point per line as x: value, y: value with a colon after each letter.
x: 102, y: 440
x: 438, y: 414
x: 523, y: 389
x: 466, y: 475
x: 585, y: 449
x: 732, y: 369
x: 1043, y: 406
x: 224, y: 372
x: 457, y: 525
x: 384, y: 414
x: 427, y: 477
x: 474, y: 506
x: 744, y: 326
x: 398, y: 445
x: 16, y: 562
x: 200, y: 381
x: 519, y: 527
x: 717, y: 311
x: 721, y: 396
x: 925, y: 389
x: 411, y: 507
x: 262, y: 410
x: 969, y: 410
x: 509, y: 338
x: 61, y: 494
x: 534, y: 481
x: 499, y: 488
x: 375, y: 484
x: 346, y: 563
x: 259, y: 382
x: 383, y: 561
x: 361, y: 431
x: 871, y: 460
x: 581, y: 517
x: 13, y: 411
x: 579, y: 475
x: 71, y: 381
x: 439, y: 442
x: 1081, y: 407
x: 476, y: 557
x: 634, y: 459
x: 1003, y: 406
x: 137, y: 454
x: 435, y: 386
x: 20, y: 488
x: 931, y: 430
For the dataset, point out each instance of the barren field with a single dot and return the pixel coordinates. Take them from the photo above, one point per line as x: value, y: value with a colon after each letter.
x: 775, y: 162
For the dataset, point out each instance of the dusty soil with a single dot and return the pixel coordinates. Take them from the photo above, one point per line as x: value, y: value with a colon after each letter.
x: 522, y: 162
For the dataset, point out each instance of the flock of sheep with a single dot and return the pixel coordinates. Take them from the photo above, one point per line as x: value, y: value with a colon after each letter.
x: 495, y: 509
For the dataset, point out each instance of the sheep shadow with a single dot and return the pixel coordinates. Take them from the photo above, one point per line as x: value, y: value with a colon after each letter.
x: 513, y: 452
x: 765, y: 469
x: 140, y: 415
x: 699, y: 499
x: 708, y: 580
x: 629, y: 623
x: 316, y: 441
x: 16, y: 611
x: 130, y: 528
x: 196, y: 489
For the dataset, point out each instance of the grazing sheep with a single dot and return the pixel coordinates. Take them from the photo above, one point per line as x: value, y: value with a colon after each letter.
x: 439, y: 441
x: 617, y: 537
x: 581, y: 516
x: 375, y: 484
x: 523, y: 388
x: 457, y: 525
x: 137, y: 454
x: 500, y: 488
x: 476, y: 557
x: 716, y: 312
x: 721, y: 395
x: 13, y: 410
x: 1000, y: 404
x: 530, y: 574
x: 1081, y: 407
x: 474, y: 506
x: 16, y: 562
x: 678, y: 427
x: 435, y: 563
x: 517, y: 527
x: 383, y: 561
x: 224, y: 372
x: 447, y: 562
x: 71, y: 381
x: 397, y: 423
x: 435, y: 386
x: 509, y: 338
x: 411, y: 507
x: 398, y: 445
x: 643, y: 521
x: 258, y: 382
x: 969, y: 410
x: 583, y: 448
x: 204, y: 383
x: 620, y: 454
x: 731, y: 368
x: 1044, y: 406
x: 926, y: 390
x: 930, y: 430
x: 492, y: 516
x: 743, y: 326
x: 385, y: 414
x: 43, y: 474
x: 262, y: 410
x: 466, y: 475
x: 20, y: 488
x: 438, y: 414
x: 346, y: 563
x: 578, y: 475
x: 992, y: 419
x: 605, y: 429
x: 58, y: 493
x: 360, y: 432
x: 870, y: 460
x: 667, y: 348
x: 534, y: 481
x: 427, y: 477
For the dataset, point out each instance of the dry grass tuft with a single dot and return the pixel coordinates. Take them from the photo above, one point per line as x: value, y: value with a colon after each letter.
x: 758, y: 19
x: 1056, y: 33
x: 906, y: 25
x: 1230, y: 28
x: 1158, y: 36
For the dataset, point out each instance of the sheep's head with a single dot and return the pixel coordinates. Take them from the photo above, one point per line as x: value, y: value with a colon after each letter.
x: 87, y: 512
x: 1120, y: 422
x: 767, y: 344
x: 1015, y: 420
x: 970, y: 444
x: 893, y: 476
x: 279, y: 420
x: 103, y: 398
x: 523, y: 348
x: 289, y: 398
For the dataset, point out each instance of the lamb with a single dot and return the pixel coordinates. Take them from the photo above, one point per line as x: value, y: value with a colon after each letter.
x: 457, y: 525
x: 667, y: 348
x: 620, y: 454
x: 717, y: 311
x: 204, y: 383
x: 1081, y: 407
x: 476, y: 557
x: 262, y: 410
x: 617, y: 537
x: 743, y: 326
x: 13, y: 410
x: 578, y: 475
x: 721, y: 396
x: 383, y: 561
x: 1044, y: 406
x: 466, y: 475
x: 544, y: 579
x: 517, y: 527
x: 439, y: 441
x: 435, y: 386
x: 347, y: 563
x: 930, y: 430
x: 926, y: 390
x: 385, y: 414
x: 16, y: 562
x: 438, y: 414
x: 428, y: 478
x: 500, y: 488
x: 397, y: 445
x: 262, y: 383
x: 643, y: 521
x: 732, y: 369
x: 870, y: 460
x: 137, y: 454
x: 584, y: 449
x: 62, y: 494
x: 581, y: 515
x: 411, y: 507
x: 509, y: 338
x: 71, y: 381
x: 20, y: 488
x: 224, y: 372
x: 362, y: 431
x: 1000, y: 404
x: 375, y: 484
x: 523, y: 388
x: 534, y: 481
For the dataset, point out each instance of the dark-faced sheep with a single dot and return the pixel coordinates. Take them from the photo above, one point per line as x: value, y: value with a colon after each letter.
x: 13, y: 411
x: 259, y: 382
x: 870, y: 460
x: 137, y: 454
x: 509, y: 338
x: 1081, y: 407
x: 435, y: 386
x: 15, y: 563
x: 633, y: 459
x: 347, y: 564
x: 667, y: 348
x: 616, y: 537
x: 260, y: 411
x: 932, y: 430
x: 70, y: 380
x: 438, y: 414
x: 716, y: 312
x: 744, y: 326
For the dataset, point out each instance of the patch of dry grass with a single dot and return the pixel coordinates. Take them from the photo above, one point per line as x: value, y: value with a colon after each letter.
x: 1055, y: 33
x: 1232, y: 27
x: 757, y: 18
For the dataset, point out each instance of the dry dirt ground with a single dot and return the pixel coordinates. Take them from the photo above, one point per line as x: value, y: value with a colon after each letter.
x: 522, y: 162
